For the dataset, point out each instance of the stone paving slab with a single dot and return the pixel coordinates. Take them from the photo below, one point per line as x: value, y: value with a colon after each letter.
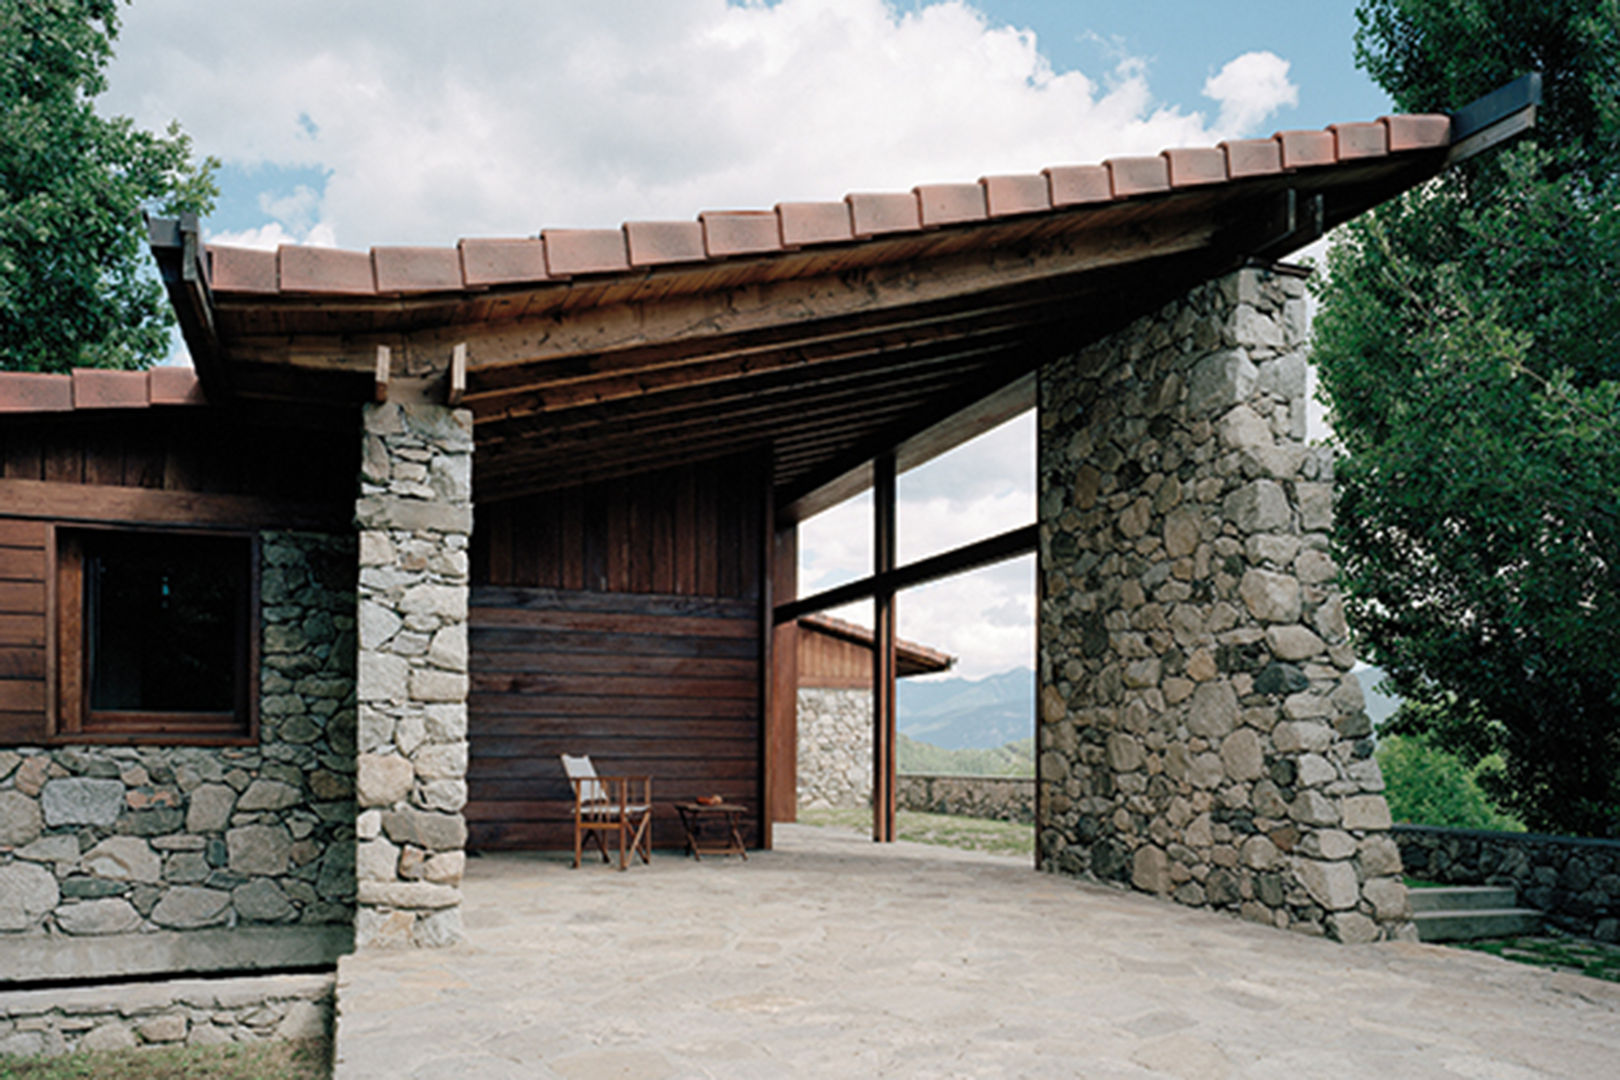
x: 835, y: 957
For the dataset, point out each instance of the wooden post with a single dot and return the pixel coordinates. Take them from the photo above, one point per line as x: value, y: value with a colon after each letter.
x: 782, y: 728
x: 883, y: 727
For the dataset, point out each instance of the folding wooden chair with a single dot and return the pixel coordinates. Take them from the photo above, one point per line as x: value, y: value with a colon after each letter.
x: 604, y: 804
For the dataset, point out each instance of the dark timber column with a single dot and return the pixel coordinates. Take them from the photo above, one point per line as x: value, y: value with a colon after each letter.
x: 883, y: 730
x: 782, y: 725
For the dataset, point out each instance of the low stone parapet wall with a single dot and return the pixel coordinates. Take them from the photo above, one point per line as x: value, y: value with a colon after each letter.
x: 1575, y: 882
x: 1001, y: 798
x: 193, y: 1012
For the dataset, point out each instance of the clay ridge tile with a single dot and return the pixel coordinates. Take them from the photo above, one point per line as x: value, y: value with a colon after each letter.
x: 34, y: 391
x: 875, y: 213
x: 1193, y: 166
x: 947, y: 204
x: 173, y: 385
x: 1007, y: 195
x: 740, y: 232
x: 502, y: 261
x: 1252, y: 157
x: 97, y: 388
x: 653, y: 242
x: 1418, y: 131
x: 1137, y: 175
x: 1072, y: 184
x: 416, y: 269
x: 806, y: 223
x: 242, y: 270
x: 325, y: 270
x: 585, y: 251
x: 1304, y: 149
x: 1352, y: 141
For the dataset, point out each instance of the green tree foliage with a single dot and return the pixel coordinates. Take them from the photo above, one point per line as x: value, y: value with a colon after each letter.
x: 1468, y: 345
x: 75, y: 290
x: 1427, y: 786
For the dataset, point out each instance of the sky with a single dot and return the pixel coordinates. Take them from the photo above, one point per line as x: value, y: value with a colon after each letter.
x: 351, y: 123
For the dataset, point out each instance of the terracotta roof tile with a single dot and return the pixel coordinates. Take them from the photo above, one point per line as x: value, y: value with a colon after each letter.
x: 242, y: 270
x: 1302, y: 149
x: 876, y: 213
x: 1137, y: 175
x: 1252, y: 157
x: 740, y: 232
x: 1417, y: 132
x: 502, y: 261
x: 173, y: 385
x: 654, y: 242
x: 947, y: 204
x: 416, y: 269
x: 585, y: 251
x: 96, y: 388
x: 1073, y: 184
x: 814, y: 223
x: 1196, y: 165
x: 325, y: 270
x: 559, y: 253
x: 1006, y: 195
x: 1351, y: 141
x: 30, y: 391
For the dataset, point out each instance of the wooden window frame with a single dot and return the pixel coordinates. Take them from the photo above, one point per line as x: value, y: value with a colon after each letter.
x: 70, y: 718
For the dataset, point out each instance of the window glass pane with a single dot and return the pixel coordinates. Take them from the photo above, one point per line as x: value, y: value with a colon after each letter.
x: 163, y: 618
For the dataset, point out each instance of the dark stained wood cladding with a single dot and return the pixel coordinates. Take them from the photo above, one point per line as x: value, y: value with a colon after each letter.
x: 832, y: 662
x: 22, y: 631
x: 680, y: 532
x: 205, y: 451
x: 622, y: 621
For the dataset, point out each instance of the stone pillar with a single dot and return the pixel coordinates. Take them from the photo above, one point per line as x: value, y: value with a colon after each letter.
x: 1202, y: 736
x: 414, y: 515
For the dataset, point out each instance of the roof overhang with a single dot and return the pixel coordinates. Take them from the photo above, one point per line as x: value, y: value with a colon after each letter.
x: 914, y: 323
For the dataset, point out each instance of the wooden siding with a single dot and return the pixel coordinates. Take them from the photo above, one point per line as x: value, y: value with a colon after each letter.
x: 191, y: 467
x: 23, y: 661
x: 832, y: 662
x: 205, y: 451
x: 680, y: 532
x: 622, y: 621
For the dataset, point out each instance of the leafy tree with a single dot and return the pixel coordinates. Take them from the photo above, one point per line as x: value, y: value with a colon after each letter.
x: 75, y: 290
x: 1468, y: 345
x: 1428, y: 786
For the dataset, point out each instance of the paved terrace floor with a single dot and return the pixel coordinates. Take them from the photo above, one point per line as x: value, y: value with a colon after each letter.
x: 835, y: 957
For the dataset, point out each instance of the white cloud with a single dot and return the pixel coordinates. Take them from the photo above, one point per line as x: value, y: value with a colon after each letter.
x: 487, y: 118
x: 1249, y: 89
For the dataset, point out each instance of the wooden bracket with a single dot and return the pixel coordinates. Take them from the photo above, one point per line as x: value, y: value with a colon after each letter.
x: 380, y: 392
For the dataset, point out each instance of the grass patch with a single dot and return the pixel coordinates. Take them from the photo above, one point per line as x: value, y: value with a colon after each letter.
x: 1559, y: 952
x: 946, y: 830
x: 304, y: 1059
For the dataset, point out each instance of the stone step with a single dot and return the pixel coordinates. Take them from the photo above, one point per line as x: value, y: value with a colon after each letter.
x: 1463, y: 898
x: 1473, y: 925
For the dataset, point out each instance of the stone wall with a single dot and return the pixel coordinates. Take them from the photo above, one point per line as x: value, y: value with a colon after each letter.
x: 835, y: 747
x: 1201, y: 734
x: 415, y: 516
x: 998, y: 798
x: 194, y: 1012
x: 123, y: 859
x: 1575, y: 882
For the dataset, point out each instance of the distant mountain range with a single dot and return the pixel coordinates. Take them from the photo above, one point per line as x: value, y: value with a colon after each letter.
x: 959, y: 714
x: 988, y: 713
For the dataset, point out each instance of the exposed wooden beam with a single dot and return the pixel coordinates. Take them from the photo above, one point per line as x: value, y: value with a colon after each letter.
x: 458, y: 375
x: 999, y: 548
x: 105, y: 503
x: 380, y: 391
x: 883, y: 618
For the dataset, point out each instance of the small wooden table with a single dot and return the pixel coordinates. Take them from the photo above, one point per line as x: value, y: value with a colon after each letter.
x: 692, y: 815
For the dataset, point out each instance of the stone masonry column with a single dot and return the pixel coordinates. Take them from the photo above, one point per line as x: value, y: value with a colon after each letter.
x: 414, y: 516
x: 1202, y: 736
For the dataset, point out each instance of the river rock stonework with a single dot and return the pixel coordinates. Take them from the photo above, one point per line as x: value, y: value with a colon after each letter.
x: 835, y: 747
x: 107, y: 849
x: 415, y: 515
x: 1201, y: 735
